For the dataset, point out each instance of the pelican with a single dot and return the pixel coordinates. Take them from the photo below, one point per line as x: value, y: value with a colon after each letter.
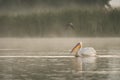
x: 82, y: 52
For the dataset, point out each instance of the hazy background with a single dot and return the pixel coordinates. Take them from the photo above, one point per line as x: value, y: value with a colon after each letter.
x: 25, y: 28
x: 49, y: 18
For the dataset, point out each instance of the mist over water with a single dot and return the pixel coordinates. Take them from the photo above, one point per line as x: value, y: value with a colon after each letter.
x: 54, y: 44
x: 36, y: 37
x: 51, y: 67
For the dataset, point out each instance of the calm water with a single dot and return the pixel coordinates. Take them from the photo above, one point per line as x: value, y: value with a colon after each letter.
x: 105, y: 67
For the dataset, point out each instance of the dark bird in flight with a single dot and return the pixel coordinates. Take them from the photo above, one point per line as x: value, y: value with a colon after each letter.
x: 70, y: 25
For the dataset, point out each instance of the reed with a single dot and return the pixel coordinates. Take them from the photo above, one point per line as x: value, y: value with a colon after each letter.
x: 52, y: 22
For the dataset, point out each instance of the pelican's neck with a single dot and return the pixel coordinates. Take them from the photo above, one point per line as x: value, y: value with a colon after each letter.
x: 76, y: 48
x: 80, y: 45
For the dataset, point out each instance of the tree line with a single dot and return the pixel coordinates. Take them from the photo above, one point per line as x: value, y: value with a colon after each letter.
x: 86, y: 22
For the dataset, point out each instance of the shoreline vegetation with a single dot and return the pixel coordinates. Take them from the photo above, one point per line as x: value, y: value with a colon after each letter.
x: 50, y: 18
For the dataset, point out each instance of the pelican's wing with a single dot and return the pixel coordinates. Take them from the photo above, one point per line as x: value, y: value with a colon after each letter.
x: 88, y: 51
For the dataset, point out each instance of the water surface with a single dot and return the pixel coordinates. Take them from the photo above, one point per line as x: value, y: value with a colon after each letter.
x: 105, y: 67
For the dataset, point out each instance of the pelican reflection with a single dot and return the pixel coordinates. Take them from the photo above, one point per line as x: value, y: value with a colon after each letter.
x: 84, y: 63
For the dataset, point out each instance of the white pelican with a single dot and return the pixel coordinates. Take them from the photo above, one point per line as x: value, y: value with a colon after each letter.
x: 82, y: 52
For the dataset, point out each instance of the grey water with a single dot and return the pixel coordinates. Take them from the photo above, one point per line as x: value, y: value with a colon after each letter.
x: 58, y: 68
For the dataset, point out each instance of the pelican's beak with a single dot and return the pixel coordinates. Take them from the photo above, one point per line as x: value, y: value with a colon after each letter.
x: 76, y: 48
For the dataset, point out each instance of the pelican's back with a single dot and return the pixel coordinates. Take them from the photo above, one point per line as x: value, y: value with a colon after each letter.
x: 88, y: 51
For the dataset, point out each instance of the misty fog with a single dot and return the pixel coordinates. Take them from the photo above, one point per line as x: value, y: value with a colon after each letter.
x: 44, y: 18
x: 37, y: 36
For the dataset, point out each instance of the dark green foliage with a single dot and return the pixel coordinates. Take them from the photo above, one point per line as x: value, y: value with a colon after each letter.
x: 88, y: 21
x: 16, y: 4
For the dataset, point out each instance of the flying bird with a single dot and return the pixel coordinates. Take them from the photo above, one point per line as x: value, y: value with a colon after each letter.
x: 70, y: 25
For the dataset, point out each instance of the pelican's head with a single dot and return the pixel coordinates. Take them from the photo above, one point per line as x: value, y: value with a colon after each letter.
x: 77, y: 47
